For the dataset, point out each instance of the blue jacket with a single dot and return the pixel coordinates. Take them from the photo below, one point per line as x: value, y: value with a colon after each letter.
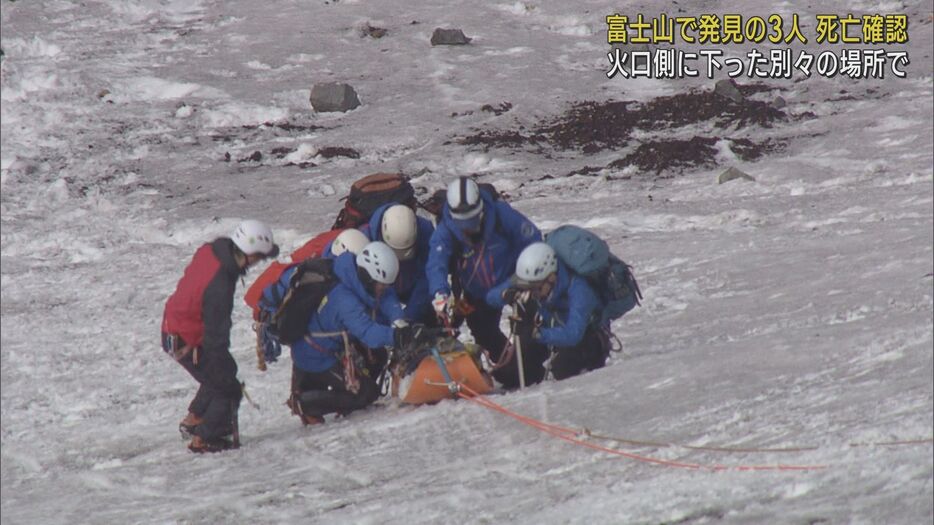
x: 412, y: 284
x: 348, y: 307
x: 566, y: 312
x: 506, y: 232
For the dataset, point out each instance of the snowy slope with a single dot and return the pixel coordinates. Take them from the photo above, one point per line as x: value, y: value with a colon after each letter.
x: 790, y: 312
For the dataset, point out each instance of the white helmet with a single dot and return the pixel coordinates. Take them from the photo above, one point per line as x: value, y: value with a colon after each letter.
x: 464, y: 200
x: 379, y: 261
x: 254, y: 237
x: 536, y: 262
x: 350, y: 240
x: 400, y: 230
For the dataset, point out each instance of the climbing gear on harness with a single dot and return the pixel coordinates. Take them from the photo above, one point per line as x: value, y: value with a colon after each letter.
x: 176, y: 348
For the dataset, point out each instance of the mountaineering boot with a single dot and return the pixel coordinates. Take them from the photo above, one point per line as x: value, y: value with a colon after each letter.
x: 312, y: 420
x: 307, y: 420
x: 187, y: 426
x: 199, y: 445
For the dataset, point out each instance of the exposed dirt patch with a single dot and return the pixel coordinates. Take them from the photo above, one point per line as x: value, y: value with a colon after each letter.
x: 595, y: 126
x: 302, y: 164
x: 498, y: 109
x: 372, y: 31
x: 281, y: 152
x: 285, y: 126
x: 337, y: 151
x: 591, y: 127
x: 674, y: 156
x: 256, y: 156
x: 749, y: 150
x: 253, y: 132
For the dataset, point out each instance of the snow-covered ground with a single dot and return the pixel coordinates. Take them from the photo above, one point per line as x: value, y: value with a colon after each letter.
x: 790, y: 312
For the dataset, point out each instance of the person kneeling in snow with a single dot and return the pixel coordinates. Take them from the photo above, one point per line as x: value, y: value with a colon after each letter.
x: 196, y: 332
x: 337, y: 364
x: 552, y: 308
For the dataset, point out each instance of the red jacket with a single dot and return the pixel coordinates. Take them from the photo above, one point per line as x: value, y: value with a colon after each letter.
x: 199, y: 310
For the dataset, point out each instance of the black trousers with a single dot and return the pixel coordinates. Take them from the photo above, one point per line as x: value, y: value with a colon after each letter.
x: 589, y: 354
x: 320, y: 393
x: 218, y: 398
x: 483, y: 322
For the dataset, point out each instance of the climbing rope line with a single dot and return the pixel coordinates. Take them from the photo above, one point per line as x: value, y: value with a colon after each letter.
x: 657, y: 444
x: 895, y: 443
x: 571, y: 435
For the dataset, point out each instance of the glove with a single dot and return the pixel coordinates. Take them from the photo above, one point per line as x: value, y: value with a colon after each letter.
x: 410, y: 337
x: 402, y: 337
x: 443, y: 304
x: 516, y: 296
x: 527, y: 311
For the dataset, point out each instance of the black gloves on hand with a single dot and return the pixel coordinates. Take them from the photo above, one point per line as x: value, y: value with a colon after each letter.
x: 413, y: 337
x: 402, y: 336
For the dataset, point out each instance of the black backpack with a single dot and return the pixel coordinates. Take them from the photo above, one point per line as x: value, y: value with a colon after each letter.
x: 371, y: 192
x: 289, y: 305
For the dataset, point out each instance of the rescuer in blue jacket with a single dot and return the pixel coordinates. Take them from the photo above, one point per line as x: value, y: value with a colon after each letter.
x: 337, y: 363
x: 553, y: 308
x: 408, y: 235
x: 476, y: 243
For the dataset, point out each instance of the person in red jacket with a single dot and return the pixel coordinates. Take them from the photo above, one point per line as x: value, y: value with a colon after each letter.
x: 196, y: 332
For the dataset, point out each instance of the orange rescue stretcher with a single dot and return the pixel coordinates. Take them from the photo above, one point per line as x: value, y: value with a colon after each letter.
x: 427, y: 382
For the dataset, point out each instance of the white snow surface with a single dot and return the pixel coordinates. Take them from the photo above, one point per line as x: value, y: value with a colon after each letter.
x: 790, y: 312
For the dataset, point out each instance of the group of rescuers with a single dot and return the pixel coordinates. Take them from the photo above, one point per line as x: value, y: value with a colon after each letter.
x: 395, y: 276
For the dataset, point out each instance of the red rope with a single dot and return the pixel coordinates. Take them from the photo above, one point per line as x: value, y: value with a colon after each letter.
x: 657, y: 444
x: 895, y: 443
x: 568, y: 434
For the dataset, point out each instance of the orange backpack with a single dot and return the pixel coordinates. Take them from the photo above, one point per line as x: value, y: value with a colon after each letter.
x: 313, y: 248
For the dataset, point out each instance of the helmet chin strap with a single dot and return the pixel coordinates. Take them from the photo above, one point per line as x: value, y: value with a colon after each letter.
x: 241, y: 259
x: 405, y: 254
